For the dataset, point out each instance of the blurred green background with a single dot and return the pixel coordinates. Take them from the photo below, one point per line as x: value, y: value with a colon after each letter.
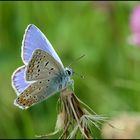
x: 99, y: 30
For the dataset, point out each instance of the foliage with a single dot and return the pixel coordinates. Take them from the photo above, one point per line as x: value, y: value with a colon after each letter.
x: 99, y: 30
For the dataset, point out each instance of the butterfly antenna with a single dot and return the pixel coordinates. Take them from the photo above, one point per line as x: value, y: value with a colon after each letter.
x: 77, y: 59
x: 81, y: 76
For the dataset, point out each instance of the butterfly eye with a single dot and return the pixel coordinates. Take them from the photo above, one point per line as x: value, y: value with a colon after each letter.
x: 69, y: 72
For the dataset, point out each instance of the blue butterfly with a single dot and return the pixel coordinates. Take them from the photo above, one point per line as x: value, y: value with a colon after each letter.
x: 42, y: 74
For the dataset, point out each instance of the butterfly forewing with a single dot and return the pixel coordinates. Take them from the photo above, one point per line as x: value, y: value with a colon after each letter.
x: 35, y: 39
x: 42, y: 66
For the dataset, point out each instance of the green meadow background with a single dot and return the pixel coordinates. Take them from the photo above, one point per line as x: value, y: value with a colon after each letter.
x: 111, y: 66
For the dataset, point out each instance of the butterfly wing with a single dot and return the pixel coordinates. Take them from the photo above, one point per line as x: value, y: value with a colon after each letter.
x: 36, y: 93
x: 35, y: 39
x: 42, y: 66
x: 19, y: 83
x: 36, y: 81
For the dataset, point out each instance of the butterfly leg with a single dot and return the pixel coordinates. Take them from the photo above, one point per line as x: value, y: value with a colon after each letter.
x: 72, y: 84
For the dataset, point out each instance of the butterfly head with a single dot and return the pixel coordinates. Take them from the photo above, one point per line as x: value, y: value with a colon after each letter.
x: 69, y: 71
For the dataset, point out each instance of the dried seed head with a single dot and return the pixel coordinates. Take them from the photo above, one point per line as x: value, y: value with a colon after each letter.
x: 60, y: 121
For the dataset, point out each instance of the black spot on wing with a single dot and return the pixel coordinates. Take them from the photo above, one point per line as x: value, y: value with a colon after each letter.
x: 46, y: 64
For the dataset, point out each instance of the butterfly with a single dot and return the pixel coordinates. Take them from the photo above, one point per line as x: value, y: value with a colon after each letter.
x: 42, y: 74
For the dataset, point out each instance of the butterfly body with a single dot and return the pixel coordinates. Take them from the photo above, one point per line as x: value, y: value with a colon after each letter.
x: 43, y: 74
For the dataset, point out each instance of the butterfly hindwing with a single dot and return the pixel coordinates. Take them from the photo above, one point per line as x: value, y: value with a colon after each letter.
x: 19, y: 82
x: 36, y: 93
x: 42, y: 66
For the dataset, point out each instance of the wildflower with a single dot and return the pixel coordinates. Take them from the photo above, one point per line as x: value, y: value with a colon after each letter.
x: 135, y: 26
x: 135, y: 20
